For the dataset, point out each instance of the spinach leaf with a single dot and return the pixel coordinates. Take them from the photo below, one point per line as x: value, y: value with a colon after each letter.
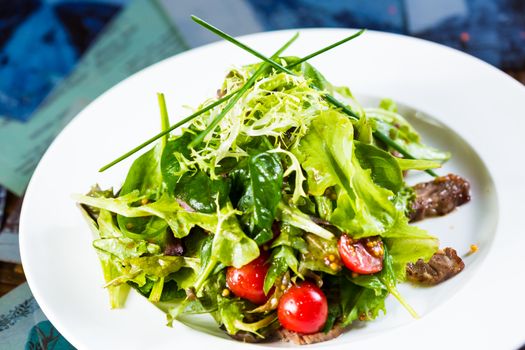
x: 259, y: 179
x: 199, y: 191
x: 172, y: 159
x: 145, y: 177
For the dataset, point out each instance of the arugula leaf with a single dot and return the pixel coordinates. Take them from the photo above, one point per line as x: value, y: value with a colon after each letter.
x: 259, y: 178
x: 360, y: 303
x: 123, y: 247
x: 111, y: 267
x: 230, y: 246
x: 385, y: 280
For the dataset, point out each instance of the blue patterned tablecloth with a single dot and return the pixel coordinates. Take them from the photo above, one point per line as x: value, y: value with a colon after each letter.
x: 31, y: 66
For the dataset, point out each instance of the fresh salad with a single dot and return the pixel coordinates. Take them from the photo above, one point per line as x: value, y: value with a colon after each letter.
x: 286, y: 218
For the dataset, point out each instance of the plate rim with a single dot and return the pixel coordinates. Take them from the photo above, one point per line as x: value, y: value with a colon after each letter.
x: 23, y: 236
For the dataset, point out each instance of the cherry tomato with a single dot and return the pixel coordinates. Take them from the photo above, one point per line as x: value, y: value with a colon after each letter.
x: 303, y: 308
x: 247, y: 282
x: 364, y: 256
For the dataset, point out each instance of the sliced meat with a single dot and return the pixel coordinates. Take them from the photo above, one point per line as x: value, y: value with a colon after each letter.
x: 439, y: 197
x: 443, y: 265
x: 305, y: 339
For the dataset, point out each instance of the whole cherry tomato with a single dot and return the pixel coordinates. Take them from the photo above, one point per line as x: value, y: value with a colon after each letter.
x: 247, y: 282
x: 364, y: 256
x: 303, y: 308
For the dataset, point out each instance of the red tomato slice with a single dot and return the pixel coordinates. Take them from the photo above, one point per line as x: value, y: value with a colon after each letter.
x: 363, y: 256
x: 247, y: 282
x: 303, y: 308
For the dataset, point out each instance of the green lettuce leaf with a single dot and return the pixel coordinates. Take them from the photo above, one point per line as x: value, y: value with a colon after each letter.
x: 166, y: 208
x: 327, y: 155
x: 408, y: 243
x: 417, y: 164
x: 111, y: 266
x: 292, y: 216
x: 385, y: 169
x: 231, y: 313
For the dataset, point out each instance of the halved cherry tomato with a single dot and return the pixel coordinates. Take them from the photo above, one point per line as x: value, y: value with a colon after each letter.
x: 303, y: 308
x: 364, y: 256
x: 247, y: 282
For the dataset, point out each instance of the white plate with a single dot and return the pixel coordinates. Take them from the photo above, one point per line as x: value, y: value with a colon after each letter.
x: 483, y: 307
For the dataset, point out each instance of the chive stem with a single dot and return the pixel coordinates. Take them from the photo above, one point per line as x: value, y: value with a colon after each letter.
x: 164, y: 120
x: 167, y: 131
x: 197, y: 140
x: 324, y: 49
x: 332, y: 100
x: 231, y: 39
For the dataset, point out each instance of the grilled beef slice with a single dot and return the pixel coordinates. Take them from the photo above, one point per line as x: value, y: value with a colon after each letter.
x: 443, y: 265
x: 439, y: 197
x: 304, y: 339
